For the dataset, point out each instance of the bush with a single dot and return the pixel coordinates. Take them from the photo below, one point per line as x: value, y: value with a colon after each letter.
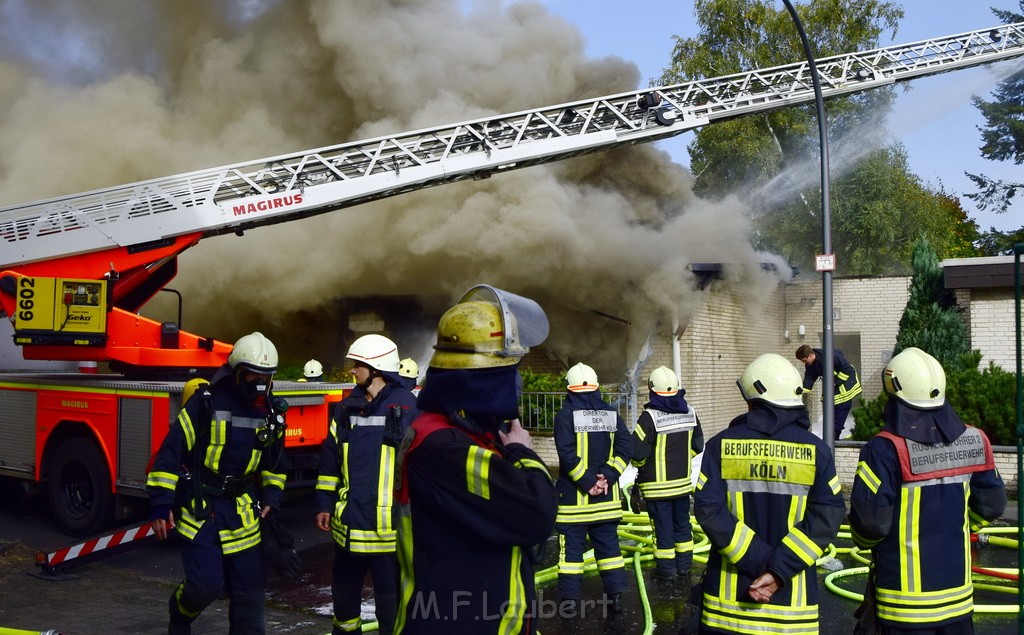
x: 542, y: 382
x: 982, y: 398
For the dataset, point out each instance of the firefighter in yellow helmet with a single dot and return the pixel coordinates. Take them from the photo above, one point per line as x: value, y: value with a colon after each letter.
x: 666, y: 437
x: 593, y: 447
x: 769, y: 501
x: 356, y: 480
x: 474, y: 495
x: 409, y: 371
x: 190, y: 388
x: 215, y: 512
x: 920, y: 483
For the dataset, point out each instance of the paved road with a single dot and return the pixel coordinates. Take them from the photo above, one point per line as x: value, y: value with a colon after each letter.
x: 128, y: 592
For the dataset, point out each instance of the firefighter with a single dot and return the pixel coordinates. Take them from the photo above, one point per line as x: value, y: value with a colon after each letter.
x: 230, y: 438
x: 409, y: 371
x: 666, y: 438
x: 312, y: 371
x: 594, y: 448
x: 190, y: 388
x: 475, y: 497
x: 769, y: 501
x: 354, y: 491
x: 920, y: 483
x: 847, y: 385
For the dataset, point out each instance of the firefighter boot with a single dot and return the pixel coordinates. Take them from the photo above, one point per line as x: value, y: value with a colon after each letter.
x: 683, y: 563
x: 178, y: 623
x: 387, y: 613
x: 665, y: 569
x: 614, y: 602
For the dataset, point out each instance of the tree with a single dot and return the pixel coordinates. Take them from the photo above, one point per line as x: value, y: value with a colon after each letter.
x: 1002, y: 135
x: 931, y: 320
x: 879, y: 208
x: 997, y: 243
x: 878, y: 205
x: 741, y: 35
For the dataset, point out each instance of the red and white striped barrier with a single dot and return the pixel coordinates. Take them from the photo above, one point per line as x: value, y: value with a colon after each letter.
x: 125, y: 537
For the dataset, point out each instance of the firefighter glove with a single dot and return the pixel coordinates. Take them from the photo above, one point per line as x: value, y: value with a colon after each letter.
x: 279, y: 547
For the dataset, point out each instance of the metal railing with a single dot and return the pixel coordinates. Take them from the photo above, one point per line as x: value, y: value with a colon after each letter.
x: 537, y: 410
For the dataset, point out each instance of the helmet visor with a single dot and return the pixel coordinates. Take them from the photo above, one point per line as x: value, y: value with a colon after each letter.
x: 530, y: 320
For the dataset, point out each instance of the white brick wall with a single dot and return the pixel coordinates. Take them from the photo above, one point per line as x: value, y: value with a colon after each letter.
x: 992, y: 315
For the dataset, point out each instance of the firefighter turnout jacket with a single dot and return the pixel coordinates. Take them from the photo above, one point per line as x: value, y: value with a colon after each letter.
x: 847, y: 385
x: 229, y: 447
x: 769, y: 500
x: 914, y: 505
x: 357, y: 467
x: 666, y: 438
x: 470, y: 509
x: 591, y: 438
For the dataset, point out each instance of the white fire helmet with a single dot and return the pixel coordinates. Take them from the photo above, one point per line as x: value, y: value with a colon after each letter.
x: 915, y: 378
x: 771, y: 378
x: 254, y: 352
x: 376, y: 351
x: 581, y: 378
x: 663, y: 381
x: 313, y: 370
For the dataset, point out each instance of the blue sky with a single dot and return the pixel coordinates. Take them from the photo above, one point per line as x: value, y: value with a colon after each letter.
x: 934, y: 120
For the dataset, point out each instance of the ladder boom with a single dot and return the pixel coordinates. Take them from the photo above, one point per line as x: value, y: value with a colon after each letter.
x: 234, y: 198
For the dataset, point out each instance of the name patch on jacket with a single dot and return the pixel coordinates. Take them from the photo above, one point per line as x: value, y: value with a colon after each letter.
x: 968, y: 453
x: 593, y: 420
x: 666, y: 422
x: 758, y: 460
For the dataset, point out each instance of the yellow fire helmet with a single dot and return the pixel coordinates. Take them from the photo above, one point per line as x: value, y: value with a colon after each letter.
x: 409, y: 368
x: 190, y: 388
x: 488, y: 327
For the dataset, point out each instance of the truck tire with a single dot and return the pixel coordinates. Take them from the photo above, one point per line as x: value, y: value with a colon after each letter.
x: 79, y: 488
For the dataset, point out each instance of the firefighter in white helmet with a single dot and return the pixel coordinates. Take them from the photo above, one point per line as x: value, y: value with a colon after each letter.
x: 356, y: 481
x: 312, y: 371
x: 409, y: 371
x: 920, y: 483
x: 474, y: 495
x: 215, y: 510
x: 770, y: 503
x: 666, y: 437
x: 594, y: 448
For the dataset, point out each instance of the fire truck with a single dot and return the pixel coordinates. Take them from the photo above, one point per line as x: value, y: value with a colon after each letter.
x: 75, y: 270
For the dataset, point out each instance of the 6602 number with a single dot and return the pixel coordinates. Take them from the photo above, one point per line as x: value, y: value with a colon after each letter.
x: 26, y: 298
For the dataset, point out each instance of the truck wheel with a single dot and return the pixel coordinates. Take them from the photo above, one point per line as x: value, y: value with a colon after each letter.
x: 79, y: 488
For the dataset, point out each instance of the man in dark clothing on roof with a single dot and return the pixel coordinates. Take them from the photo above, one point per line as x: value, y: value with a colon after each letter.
x: 847, y: 385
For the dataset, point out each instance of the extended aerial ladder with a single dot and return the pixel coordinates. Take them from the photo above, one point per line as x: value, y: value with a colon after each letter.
x: 112, y: 249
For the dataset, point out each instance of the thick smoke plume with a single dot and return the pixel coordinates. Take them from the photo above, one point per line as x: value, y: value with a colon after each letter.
x: 101, y: 92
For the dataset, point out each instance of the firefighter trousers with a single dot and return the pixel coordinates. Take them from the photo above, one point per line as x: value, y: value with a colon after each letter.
x: 208, y: 573
x: 572, y: 541
x: 348, y: 572
x: 673, y: 536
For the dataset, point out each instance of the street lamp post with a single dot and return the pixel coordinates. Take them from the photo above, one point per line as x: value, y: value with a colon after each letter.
x: 827, y: 387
